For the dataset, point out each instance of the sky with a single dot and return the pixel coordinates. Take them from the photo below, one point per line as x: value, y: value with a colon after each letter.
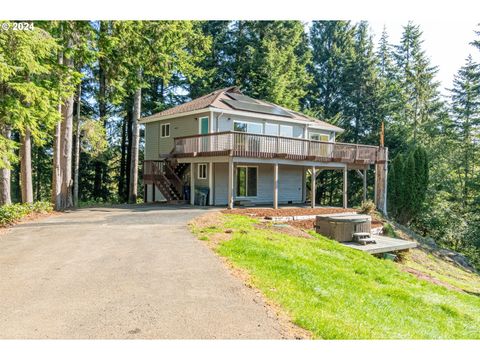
x: 446, y: 42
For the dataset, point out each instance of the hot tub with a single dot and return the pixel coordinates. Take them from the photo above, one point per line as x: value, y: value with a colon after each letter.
x: 342, y: 227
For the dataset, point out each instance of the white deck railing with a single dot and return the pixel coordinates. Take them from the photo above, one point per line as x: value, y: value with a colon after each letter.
x: 267, y: 146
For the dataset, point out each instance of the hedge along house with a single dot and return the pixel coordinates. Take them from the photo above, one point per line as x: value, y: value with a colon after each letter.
x: 226, y: 148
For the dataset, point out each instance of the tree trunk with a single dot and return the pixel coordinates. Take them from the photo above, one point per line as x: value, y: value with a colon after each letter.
x: 100, y: 166
x: 66, y: 139
x: 102, y: 111
x: 37, y: 174
x: 56, y: 170
x: 26, y: 167
x: 76, y: 167
x: 5, y: 173
x: 123, y: 164
x: 129, y: 153
x: 133, y: 186
x: 56, y: 173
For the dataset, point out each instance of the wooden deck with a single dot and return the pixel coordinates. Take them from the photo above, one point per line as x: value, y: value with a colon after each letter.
x: 384, y: 244
x: 240, y: 144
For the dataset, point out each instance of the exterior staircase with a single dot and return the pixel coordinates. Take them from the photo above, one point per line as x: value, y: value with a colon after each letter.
x: 168, y: 176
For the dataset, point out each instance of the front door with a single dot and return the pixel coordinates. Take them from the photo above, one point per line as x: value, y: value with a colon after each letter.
x: 205, y: 146
x: 204, y: 125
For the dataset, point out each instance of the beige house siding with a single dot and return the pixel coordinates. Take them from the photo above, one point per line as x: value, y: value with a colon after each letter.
x: 290, y: 183
x: 180, y: 126
x: 200, y: 183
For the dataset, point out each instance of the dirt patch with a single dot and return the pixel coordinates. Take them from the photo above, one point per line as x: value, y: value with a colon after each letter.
x: 284, y: 229
x: 302, y: 224
x: 209, y: 219
x: 290, y: 211
x: 376, y: 224
x: 216, y: 239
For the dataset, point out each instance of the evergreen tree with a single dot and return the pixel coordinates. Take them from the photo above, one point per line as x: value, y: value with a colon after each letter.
x: 32, y: 87
x: 395, y: 186
x: 465, y: 109
x: 362, y: 90
x: 420, y: 96
x: 270, y: 60
x: 154, y: 49
x: 389, y: 94
x: 408, y: 184
x: 332, y: 45
x: 218, y: 62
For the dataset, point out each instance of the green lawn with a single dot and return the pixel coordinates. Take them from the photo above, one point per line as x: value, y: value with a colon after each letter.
x: 340, y: 293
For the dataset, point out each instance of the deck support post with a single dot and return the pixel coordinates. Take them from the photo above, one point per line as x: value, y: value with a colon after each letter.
x: 304, y: 185
x: 345, y: 187
x: 365, y: 185
x: 381, y: 176
x: 230, y: 183
x: 275, y: 186
x: 192, y: 183
x: 210, y: 183
x: 313, y: 185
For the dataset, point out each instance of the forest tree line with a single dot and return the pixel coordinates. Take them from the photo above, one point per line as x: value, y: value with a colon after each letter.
x: 71, y: 92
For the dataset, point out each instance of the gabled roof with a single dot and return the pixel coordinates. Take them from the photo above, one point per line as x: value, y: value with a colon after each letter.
x: 232, y: 99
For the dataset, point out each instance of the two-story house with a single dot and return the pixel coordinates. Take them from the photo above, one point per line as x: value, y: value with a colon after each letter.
x: 224, y: 148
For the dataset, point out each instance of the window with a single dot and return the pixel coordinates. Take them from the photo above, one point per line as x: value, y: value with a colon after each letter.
x: 203, y: 125
x: 286, y: 130
x: 298, y: 132
x: 202, y: 171
x: 271, y: 129
x: 240, y: 126
x: 250, y: 127
x: 255, y: 128
x: 247, y: 181
x: 165, y: 130
x: 319, y: 137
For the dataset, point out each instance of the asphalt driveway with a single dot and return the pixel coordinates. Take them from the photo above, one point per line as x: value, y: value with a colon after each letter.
x: 125, y: 272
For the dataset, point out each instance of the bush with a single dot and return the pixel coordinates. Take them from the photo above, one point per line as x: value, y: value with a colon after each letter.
x: 389, y: 231
x: 367, y: 207
x: 10, y: 214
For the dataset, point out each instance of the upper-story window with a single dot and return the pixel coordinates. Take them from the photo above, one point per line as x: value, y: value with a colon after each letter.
x: 271, y: 129
x: 286, y: 130
x: 249, y: 127
x: 319, y: 137
x: 165, y: 130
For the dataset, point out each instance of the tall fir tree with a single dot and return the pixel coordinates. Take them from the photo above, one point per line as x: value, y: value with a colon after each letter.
x: 390, y: 95
x: 333, y: 51
x: 465, y: 110
x: 270, y: 60
x: 420, y: 94
x: 218, y: 62
x: 362, y: 90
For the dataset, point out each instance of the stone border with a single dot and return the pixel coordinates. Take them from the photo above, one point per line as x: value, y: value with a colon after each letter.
x: 304, y: 217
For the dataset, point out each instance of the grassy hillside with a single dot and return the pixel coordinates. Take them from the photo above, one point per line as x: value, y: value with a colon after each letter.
x: 340, y: 293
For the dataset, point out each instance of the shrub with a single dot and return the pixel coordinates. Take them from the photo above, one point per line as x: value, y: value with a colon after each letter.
x: 367, y: 207
x: 389, y: 231
x: 10, y: 214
